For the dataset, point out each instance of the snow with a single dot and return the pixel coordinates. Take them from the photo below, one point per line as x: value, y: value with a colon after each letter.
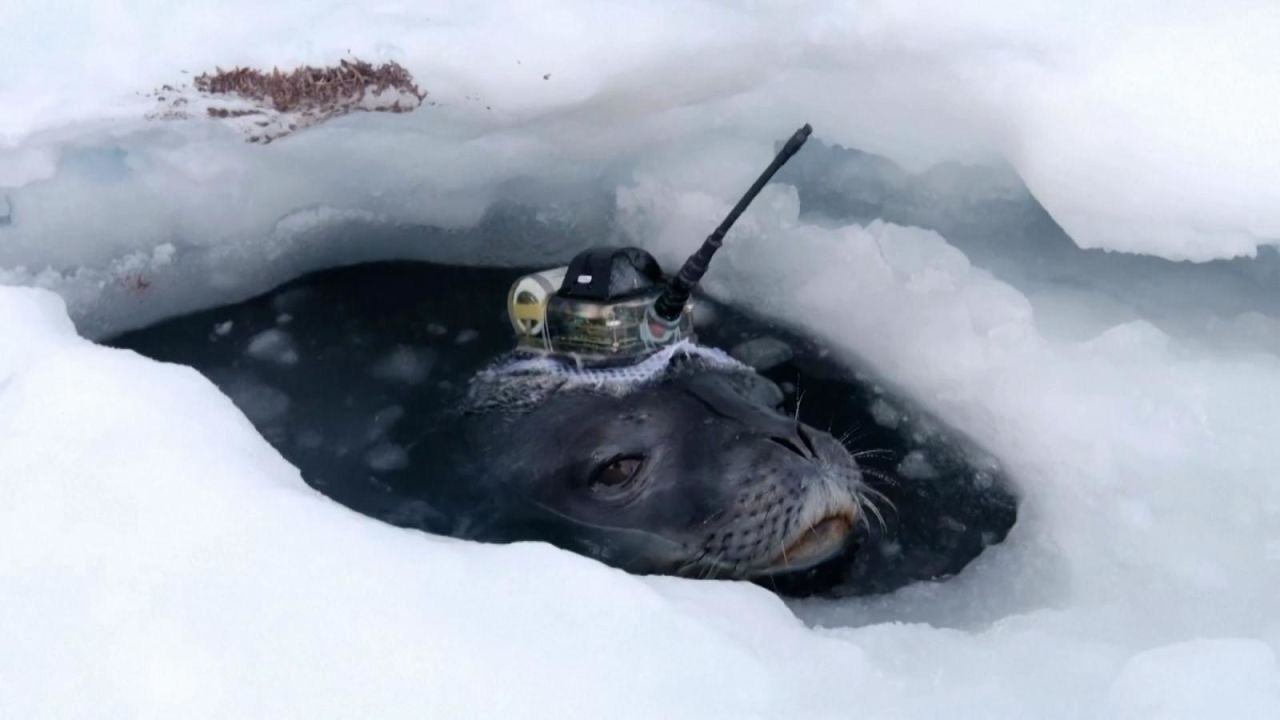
x: 1139, y: 128
x: 195, y: 574
x: 1200, y: 678
x: 160, y: 559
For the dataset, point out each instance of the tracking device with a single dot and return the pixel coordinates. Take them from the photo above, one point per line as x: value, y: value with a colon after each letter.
x: 612, y: 305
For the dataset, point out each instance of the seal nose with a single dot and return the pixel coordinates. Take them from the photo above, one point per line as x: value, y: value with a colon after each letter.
x: 798, y: 442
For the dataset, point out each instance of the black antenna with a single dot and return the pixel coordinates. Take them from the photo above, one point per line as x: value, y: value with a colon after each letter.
x: 671, y: 303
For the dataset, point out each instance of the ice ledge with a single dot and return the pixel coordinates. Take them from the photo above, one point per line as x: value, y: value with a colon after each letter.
x: 160, y: 556
x: 1142, y: 134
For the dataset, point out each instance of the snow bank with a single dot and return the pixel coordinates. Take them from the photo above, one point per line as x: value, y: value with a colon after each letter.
x: 158, y: 558
x: 1141, y: 128
x: 161, y: 559
x: 1144, y: 460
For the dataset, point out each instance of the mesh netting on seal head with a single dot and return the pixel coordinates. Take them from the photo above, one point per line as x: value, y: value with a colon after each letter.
x: 520, y: 381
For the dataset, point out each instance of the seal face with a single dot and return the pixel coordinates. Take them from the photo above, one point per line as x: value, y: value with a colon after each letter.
x: 680, y: 465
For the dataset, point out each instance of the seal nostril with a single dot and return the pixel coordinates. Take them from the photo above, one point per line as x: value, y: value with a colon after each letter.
x: 804, y: 448
x: 788, y: 444
x: 804, y: 438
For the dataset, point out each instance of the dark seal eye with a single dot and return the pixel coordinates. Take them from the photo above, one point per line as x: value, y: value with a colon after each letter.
x: 616, y: 474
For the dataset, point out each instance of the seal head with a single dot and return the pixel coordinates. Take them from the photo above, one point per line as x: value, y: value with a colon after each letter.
x: 682, y: 464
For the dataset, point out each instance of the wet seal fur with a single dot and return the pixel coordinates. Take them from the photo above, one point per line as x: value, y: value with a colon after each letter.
x: 680, y: 464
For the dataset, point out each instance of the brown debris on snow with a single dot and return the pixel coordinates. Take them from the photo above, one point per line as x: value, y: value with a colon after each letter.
x: 333, y: 89
x: 266, y: 106
x: 220, y: 112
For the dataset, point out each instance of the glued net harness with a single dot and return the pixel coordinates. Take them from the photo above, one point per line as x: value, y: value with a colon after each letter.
x: 520, y: 381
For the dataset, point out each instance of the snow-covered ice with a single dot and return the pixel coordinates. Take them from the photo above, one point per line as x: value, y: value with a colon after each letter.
x: 160, y: 559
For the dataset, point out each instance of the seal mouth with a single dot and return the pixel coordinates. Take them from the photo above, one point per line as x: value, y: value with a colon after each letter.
x: 817, y: 543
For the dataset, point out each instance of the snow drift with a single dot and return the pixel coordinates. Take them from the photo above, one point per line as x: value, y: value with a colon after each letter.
x: 159, y: 558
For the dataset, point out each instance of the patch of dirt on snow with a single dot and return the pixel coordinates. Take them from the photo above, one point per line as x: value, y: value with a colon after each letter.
x: 266, y: 106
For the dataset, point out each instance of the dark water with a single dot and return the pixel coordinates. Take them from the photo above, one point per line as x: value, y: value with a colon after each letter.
x: 345, y: 371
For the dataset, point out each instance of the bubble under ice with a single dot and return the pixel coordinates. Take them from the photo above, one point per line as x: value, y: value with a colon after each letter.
x: 1123, y: 391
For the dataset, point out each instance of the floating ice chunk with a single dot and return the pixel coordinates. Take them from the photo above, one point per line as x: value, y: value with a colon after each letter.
x: 308, y: 438
x: 763, y: 353
x: 385, y: 457
x: 466, y: 336
x: 406, y: 365
x: 259, y: 401
x: 384, y: 420
x: 916, y: 466
x: 222, y: 328
x: 274, y: 346
x: 437, y: 329
x: 889, y: 548
x: 885, y: 414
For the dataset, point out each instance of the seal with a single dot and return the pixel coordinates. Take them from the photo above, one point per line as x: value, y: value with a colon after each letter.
x: 682, y: 464
x: 392, y: 388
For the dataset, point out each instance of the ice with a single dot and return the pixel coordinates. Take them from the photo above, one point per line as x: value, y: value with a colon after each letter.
x: 405, y: 365
x: 986, y: 212
x: 885, y: 414
x: 916, y: 466
x: 1131, y: 420
x: 273, y: 346
x: 259, y: 401
x: 1197, y: 679
x: 1156, y: 95
x: 383, y: 420
x: 160, y: 559
x: 309, y: 439
x: 171, y: 576
x: 1146, y: 465
x: 762, y: 353
x: 387, y: 456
